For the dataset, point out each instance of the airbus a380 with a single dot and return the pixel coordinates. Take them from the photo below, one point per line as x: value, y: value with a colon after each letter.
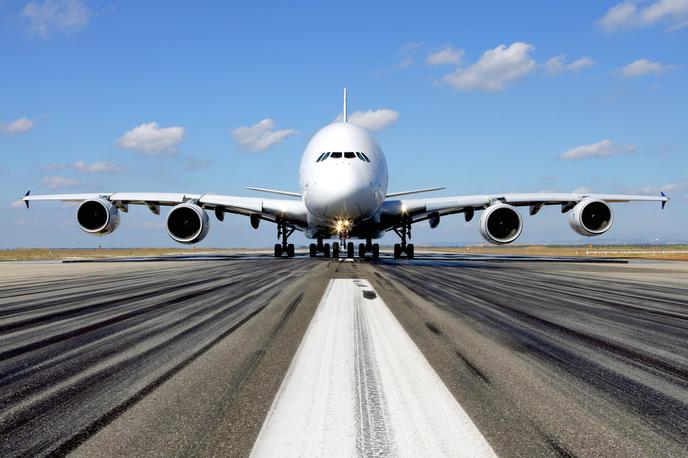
x: 343, y: 181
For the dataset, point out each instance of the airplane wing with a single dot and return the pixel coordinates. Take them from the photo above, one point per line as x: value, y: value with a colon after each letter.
x: 394, y: 211
x: 292, y: 211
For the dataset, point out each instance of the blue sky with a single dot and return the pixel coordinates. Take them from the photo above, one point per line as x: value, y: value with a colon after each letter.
x: 479, y: 97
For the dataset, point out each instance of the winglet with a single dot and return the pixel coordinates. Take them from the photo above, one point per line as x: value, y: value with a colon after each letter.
x: 344, y: 110
x: 666, y: 199
x: 26, y: 201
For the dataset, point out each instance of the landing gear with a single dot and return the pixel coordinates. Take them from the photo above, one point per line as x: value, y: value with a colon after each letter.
x: 368, y: 247
x: 284, y: 230
x: 404, y: 232
x: 350, y: 250
x: 326, y: 250
x: 312, y: 250
x: 335, y: 250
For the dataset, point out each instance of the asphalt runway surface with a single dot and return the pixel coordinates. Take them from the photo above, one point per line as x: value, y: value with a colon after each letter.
x: 185, y: 358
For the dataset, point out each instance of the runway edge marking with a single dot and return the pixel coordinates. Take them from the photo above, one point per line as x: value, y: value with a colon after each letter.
x: 358, y: 385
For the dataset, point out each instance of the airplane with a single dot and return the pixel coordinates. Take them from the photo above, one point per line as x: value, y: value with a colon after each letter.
x: 343, y: 196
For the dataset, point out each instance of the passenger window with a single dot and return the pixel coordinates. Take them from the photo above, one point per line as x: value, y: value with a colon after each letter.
x: 336, y: 155
x: 349, y: 155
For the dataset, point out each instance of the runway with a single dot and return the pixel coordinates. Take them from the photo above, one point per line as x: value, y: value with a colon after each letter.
x: 187, y: 358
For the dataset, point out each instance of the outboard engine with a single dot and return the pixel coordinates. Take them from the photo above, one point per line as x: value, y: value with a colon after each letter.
x: 591, y: 217
x: 97, y: 216
x: 500, y: 224
x: 187, y: 223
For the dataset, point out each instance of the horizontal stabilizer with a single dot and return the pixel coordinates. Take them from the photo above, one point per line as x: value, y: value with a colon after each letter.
x: 275, y: 191
x: 415, y: 191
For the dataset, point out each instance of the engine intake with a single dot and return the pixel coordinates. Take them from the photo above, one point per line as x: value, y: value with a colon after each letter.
x: 187, y: 223
x: 97, y: 216
x: 500, y: 224
x: 591, y: 217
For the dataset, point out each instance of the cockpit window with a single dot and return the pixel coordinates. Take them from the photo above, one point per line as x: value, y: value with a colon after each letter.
x: 365, y: 158
x: 322, y: 157
x: 349, y: 155
x: 336, y: 155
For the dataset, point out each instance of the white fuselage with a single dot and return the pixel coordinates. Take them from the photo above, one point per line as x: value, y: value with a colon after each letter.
x: 350, y: 184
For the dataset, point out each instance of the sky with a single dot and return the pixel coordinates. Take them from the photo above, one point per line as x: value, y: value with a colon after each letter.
x: 480, y: 97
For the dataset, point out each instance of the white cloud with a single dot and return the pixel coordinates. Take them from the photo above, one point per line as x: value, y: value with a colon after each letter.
x: 17, y: 126
x: 58, y: 182
x: 373, y: 120
x: 628, y: 14
x: 260, y: 136
x: 557, y: 65
x: 495, y: 69
x: 642, y: 67
x: 152, y: 139
x: 600, y: 149
x: 96, y: 167
x: 57, y: 16
x: 17, y: 204
x: 446, y: 55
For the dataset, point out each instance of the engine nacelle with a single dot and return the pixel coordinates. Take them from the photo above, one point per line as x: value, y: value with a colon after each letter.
x: 591, y: 217
x: 500, y: 224
x: 97, y: 216
x: 187, y: 223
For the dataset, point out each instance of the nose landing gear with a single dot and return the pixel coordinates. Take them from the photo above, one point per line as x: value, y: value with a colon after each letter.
x: 404, y: 232
x: 284, y: 230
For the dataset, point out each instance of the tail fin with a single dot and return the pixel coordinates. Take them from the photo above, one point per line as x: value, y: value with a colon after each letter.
x: 344, y: 110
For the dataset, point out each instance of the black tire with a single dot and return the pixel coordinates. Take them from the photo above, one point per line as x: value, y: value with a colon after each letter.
x: 278, y: 250
x: 410, y: 251
x: 376, y: 251
x: 397, y: 251
x: 326, y: 250
x: 290, y: 250
x: 335, y: 250
x: 361, y: 250
x: 350, y: 250
x: 313, y: 250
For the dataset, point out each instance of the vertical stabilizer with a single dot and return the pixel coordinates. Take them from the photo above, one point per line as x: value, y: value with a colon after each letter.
x: 344, y: 111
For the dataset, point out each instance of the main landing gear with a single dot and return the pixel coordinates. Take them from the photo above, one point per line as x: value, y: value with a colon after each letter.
x: 324, y: 248
x: 369, y: 247
x: 284, y: 230
x: 404, y: 232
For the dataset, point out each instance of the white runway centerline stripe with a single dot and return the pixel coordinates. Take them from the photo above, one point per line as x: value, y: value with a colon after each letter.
x: 358, y: 385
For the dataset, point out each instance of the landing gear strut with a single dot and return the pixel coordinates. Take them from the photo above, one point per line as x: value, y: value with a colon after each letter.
x: 404, y: 232
x: 284, y: 230
x: 368, y: 247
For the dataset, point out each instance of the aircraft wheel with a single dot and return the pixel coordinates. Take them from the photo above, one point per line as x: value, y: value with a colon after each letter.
x: 361, y: 250
x: 278, y: 250
x: 410, y: 251
x: 376, y: 251
x: 335, y: 250
x: 312, y: 250
x: 397, y: 251
x: 326, y: 250
x: 290, y: 250
x: 350, y: 250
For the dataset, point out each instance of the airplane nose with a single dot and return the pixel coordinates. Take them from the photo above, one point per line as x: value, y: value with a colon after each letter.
x: 346, y: 195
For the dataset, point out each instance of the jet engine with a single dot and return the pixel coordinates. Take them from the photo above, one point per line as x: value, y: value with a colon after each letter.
x: 187, y: 223
x: 591, y: 217
x: 500, y: 224
x: 97, y: 216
